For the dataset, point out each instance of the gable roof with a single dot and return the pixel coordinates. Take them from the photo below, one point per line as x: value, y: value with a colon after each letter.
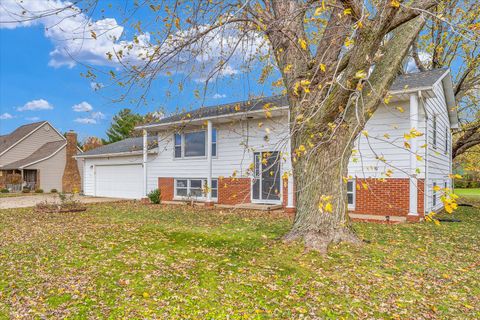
x: 127, y: 146
x: 418, y: 80
x: 44, y: 152
x: 9, y: 140
x: 238, y: 107
x: 404, y: 83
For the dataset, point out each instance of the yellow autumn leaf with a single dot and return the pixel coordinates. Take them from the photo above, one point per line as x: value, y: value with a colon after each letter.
x: 347, y: 11
x: 360, y: 74
x: 395, y: 3
x: 400, y: 109
x: 323, y: 67
x: 145, y: 295
x: 436, y: 188
x: 302, y: 43
x: 348, y: 42
x: 329, y: 207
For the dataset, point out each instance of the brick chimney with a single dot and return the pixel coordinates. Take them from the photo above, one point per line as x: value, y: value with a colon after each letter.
x: 71, y: 180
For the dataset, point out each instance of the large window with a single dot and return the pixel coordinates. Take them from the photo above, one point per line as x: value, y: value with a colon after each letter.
x: 195, y: 188
x: 194, y: 144
x: 351, y: 194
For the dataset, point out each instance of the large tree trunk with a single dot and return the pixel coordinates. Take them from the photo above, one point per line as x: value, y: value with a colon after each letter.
x: 320, y: 180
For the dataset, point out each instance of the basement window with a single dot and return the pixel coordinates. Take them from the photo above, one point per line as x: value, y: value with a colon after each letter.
x: 351, y: 194
x: 194, y: 188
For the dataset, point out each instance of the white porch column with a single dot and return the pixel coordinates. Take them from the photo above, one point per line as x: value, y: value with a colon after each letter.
x: 209, y: 162
x: 145, y: 155
x: 413, y: 157
x: 290, y: 192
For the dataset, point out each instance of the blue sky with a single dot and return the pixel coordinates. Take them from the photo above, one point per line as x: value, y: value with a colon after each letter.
x: 39, y: 82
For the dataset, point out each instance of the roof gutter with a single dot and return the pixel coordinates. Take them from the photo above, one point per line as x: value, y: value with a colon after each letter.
x: 116, y: 154
x: 168, y: 124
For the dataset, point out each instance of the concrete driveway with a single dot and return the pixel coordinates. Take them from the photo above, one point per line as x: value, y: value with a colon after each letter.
x: 32, y: 200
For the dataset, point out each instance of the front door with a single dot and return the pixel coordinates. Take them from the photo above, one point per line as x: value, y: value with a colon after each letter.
x: 266, y: 182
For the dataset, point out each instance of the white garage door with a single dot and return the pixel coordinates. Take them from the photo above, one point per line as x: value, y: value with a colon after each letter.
x: 119, y: 181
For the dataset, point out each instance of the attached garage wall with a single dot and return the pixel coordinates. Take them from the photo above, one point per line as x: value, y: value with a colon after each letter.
x: 89, y: 179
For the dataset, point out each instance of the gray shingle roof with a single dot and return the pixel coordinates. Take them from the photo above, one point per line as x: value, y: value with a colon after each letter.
x: 41, y: 153
x: 127, y: 145
x: 402, y: 82
x: 229, y: 108
x: 417, y: 79
x: 9, y: 140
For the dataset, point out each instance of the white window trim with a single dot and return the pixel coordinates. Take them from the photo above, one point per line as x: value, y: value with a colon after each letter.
x: 202, y: 198
x: 352, y: 206
x: 182, y: 145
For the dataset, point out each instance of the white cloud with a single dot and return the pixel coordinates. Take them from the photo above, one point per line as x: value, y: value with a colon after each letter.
x: 39, y: 104
x: 98, y: 115
x: 425, y: 58
x: 72, y: 32
x: 219, y: 96
x: 92, y: 119
x: 86, y: 120
x: 5, y: 116
x: 96, y: 85
x: 76, y: 37
x: 32, y: 118
x: 82, y: 107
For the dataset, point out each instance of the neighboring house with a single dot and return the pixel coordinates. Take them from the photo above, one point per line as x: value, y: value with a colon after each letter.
x: 228, y: 154
x: 42, y: 157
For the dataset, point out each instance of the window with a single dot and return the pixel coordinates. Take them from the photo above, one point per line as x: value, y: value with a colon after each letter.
x: 178, y: 145
x: 351, y: 194
x: 193, y: 144
x: 195, y: 188
x: 434, y: 201
x: 214, y: 142
x: 181, y: 189
x: 446, y: 140
x: 434, y: 131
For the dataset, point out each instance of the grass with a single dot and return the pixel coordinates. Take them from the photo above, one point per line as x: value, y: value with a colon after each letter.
x: 468, y: 192
x: 470, y: 195
x: 19, y: 194
x: 142, y: 261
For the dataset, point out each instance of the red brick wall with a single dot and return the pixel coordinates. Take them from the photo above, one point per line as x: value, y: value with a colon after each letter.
x: 166, y: 185
x: 234, y: 190
x: 387, y: 198
x: 285, y: 193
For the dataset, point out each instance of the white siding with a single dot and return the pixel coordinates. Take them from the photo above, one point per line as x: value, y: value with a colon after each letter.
x: 392, y: 121
x: 89, y: 169
x: 439, y: 162
x: 236, y: 143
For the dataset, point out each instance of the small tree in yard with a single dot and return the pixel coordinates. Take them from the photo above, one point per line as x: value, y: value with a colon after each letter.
x: 336, y: 61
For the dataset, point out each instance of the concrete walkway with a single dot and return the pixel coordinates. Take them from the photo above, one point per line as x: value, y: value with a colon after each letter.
x: 32, y: 200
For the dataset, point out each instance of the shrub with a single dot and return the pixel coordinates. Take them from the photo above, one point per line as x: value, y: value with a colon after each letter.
x: 4, y: 190
x: 39, y: 190
x: 155, y: 196
x: 53, y: 191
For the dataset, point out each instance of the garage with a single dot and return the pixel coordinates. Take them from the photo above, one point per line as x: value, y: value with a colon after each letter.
x: 119, y: 181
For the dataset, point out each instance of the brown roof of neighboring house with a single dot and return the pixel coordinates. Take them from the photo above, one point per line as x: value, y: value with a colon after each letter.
x: 9, y: 140
x: 46, y: 150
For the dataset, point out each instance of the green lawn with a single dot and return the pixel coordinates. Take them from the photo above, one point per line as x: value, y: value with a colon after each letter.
x: 468, y: 192
x: 137, y: 261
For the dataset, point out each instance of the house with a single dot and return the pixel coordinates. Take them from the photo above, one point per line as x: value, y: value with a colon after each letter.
x: 233, y: 154
x: 39, y: 157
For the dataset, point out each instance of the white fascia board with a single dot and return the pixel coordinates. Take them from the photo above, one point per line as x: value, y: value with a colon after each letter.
x: 117, y: 154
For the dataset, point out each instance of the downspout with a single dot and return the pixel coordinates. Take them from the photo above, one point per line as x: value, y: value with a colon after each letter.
x: 145, y: 157
x: 425, y: 182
